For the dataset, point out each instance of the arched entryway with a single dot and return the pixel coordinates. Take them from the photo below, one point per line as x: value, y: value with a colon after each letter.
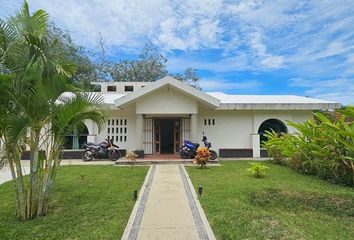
x: 269, y: 125
x: 75, y: 139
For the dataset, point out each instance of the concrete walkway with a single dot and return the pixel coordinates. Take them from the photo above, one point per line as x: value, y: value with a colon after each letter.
x: 167, y: 208
x: 5, y: 173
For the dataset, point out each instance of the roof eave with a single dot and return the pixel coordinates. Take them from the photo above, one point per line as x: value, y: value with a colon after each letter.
x: 278, y: 106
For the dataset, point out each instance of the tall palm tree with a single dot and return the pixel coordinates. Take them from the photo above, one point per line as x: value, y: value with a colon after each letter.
x: 34, y: 110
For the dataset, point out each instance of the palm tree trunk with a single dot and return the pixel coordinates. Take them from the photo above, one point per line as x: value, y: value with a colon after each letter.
x: 48, y: 180
x: 21, y: 192
x: 34, y: 175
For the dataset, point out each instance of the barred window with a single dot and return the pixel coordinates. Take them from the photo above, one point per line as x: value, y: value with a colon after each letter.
x: 209, y: 121
x: 118, y: 134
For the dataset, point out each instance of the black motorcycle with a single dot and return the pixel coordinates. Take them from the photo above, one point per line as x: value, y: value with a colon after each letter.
x: 189, y: 149
x: 105, y: 149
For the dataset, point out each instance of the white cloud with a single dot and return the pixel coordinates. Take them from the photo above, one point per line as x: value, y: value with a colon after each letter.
x: 339, y: 90
x: 254, y: 35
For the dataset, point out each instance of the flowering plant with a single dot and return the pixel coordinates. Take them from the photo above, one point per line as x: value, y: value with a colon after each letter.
x: 202, y: 156
x: 131, y: 156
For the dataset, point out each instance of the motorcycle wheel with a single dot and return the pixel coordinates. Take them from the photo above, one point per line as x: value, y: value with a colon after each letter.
x: 87, y: 155
x: 184, y: 154
x: 113, y: 155
x: 213, y: 155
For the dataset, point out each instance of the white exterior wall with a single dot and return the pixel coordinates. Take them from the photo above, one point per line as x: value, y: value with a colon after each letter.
x: 128, y: 114
x: 231, y: 130
x: 283, y: 115
x: 234, y: 128
x: 166, y: 100
x: 120, y: 86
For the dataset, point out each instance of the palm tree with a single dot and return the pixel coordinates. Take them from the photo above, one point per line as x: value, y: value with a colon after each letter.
x: 34, y: 109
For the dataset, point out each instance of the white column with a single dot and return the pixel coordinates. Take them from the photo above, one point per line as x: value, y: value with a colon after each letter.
x: 256, y: 145
x: 194, y: 128
x: 92, y: 129
x: 91, y: 138
x: 139, y: 131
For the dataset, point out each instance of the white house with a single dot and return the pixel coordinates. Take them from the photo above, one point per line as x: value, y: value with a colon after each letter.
x: 157, y: 116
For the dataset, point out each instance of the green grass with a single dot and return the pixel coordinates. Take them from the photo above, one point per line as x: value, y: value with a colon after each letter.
x: 283, y: 205
x: 89, y: 202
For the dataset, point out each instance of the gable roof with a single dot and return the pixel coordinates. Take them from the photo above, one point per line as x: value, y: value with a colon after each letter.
x: 207, y: 99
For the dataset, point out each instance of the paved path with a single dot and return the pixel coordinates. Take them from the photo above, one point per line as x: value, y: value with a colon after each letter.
x: 167, y: 208
x: 5, y: 173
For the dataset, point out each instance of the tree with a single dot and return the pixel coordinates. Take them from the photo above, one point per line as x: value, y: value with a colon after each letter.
x: 34, y: 110
x: 149, y: 67
x: 85, y: 69
x: 190, y: 77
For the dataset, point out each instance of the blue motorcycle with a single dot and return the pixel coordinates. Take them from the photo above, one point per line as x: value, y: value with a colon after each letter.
x: 189, y: 149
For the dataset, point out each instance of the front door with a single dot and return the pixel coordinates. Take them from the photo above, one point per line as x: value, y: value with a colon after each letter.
x: 167, y: 135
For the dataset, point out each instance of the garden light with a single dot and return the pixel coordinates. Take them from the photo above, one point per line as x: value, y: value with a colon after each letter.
x: 200, y: 190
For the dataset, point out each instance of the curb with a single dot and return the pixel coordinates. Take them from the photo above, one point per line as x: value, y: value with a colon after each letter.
x: 205, y: 221
x: 138, y: 203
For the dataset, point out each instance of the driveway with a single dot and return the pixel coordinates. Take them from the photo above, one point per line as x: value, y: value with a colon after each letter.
x: 5, y: 173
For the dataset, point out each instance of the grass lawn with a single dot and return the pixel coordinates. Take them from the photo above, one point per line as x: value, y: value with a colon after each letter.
x: 284, y: 205
x: 89, y: 202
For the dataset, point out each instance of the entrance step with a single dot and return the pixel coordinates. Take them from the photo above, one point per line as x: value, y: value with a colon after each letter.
x: 159, y: 161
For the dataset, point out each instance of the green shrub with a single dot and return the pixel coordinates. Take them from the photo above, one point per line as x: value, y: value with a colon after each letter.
x: 323, y: 146
x: 257, y: 170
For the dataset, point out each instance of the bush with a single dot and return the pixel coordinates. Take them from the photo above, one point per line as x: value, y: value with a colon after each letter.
x: 202, y: 157
x: 323, y: 146
x: 257, y: 170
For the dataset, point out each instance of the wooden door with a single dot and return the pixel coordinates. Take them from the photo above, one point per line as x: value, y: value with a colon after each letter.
x: 177, y: 134
x: 157, y: 130
x: 174, y: 130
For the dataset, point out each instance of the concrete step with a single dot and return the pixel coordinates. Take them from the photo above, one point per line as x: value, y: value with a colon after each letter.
x: 159, y: 161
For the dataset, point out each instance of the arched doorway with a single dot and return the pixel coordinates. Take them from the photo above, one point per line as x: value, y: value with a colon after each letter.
x: 75, y: 139
x: 269, y: 125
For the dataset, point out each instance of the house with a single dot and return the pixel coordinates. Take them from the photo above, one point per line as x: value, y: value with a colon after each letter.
x: 157, y: 116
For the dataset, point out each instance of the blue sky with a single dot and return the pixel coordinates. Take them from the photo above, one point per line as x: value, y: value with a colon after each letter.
x: 242, y: 47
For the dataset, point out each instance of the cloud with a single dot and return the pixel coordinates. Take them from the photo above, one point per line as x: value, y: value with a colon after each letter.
x: 306, y: 39
x: 338, y: 90
x: 268, y: 35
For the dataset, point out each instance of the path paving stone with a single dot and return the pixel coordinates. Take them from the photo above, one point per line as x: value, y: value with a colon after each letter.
x: 169, y: 210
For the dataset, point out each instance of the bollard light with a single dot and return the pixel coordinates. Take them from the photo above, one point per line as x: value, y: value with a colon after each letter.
x: 200, y: 190
x: 135, y: 195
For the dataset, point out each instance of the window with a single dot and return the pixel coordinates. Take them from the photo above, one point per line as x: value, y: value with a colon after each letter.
x: 209, y: 122
x: 111, y: 88
x: 117, y: 129
x: 128, y: 88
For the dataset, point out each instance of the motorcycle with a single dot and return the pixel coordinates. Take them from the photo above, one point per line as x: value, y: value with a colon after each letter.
x: 189, y: 149
x: 105, y: 149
